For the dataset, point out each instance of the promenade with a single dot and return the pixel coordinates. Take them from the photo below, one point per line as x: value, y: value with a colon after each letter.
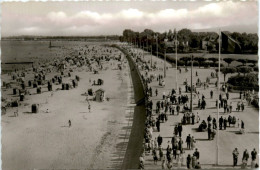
x: 228, y: 139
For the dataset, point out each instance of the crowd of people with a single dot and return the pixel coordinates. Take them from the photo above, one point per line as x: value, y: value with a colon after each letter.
x: 172, y: 103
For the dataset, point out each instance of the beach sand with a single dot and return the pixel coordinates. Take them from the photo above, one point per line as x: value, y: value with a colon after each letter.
x: 45, y: 141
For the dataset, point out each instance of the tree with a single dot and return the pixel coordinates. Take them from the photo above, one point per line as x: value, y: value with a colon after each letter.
x: 181, y: 47
x: 227, y: 70
x: 228, y: 60
x: 185, y: 60
x: 244, y: 70
x: 214, y: 60
x: 200, y: 60
x: 253, y: 62
x: 243, y: 61
x: 248, y: 82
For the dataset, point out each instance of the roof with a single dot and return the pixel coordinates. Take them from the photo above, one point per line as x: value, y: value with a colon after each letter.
x: 100, y: 90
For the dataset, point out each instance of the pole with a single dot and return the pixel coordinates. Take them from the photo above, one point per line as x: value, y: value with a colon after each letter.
x: 164, y: 68
x: 176, y: 74
x: 157, y: 44
x: 151, y: 55
x: 143, y: 49
x: 219, y: 54
x: 147, y: 43
x: 191, y: 84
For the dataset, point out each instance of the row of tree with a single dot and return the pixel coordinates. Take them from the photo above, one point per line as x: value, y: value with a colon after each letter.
x: 188, y: 41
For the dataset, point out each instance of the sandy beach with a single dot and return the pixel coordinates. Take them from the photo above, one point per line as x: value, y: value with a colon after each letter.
x: 45, y: 140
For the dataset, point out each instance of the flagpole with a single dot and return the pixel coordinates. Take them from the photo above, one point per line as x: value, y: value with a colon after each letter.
x: 191, y: 85
x: 218, y: 85
x: 176, y: 73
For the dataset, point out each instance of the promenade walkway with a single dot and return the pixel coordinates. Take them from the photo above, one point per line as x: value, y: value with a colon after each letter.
x: 228, y: 139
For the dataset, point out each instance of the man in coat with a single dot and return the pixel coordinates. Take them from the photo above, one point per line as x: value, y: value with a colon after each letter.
x: 209, y: 133
x: 188, y: 141
x: 253, y: 154
x: 192, y: 118
x: 159, y: 140
x: 245, y: 155
x: 225, y: 123
x: 189, y: 161
x: 197, y: 154
x: 220, y: 122
x: 235, y: 156
x: 180, y: 129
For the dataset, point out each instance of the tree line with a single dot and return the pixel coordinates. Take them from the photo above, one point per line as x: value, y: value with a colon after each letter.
x: 188, y: 41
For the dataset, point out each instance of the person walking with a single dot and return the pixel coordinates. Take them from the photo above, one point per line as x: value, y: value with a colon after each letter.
x: 189, y: 161
x: 180, y: 129
x: 211, y: 94
x: 242, y: 106
x: 235, y: 157
x: 155, y: 156
x: 242, y: 124
x: 214, y: 123
x: 245, y: 156
x: 194, y: 161
x: 197, y: 118
x: 192, y: 118
x: 69, y: 123
x: 225, y: 123
x: 164, y: 162
x: 158, y: 125
x: 197, y: 153
x: 176, y: 130
x: 160, y: 154
x: 220, y: 122
x: 209, y: 133
x: 159, y: 140
x: 188, y: 141
x: 253, y: 154
x: 89, y: 108
x: 180, y: 144
x: 192, y: 143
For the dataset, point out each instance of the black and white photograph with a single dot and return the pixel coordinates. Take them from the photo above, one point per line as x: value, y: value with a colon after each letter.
x: 135, y: 84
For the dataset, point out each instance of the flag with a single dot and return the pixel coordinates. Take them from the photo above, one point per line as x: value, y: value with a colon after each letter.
x: 229, y: 44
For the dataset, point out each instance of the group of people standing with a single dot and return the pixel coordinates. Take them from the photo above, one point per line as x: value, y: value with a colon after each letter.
x: 245, y: 158
x: 168, y: 105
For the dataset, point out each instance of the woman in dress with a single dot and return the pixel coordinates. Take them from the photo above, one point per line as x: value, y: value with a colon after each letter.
x: 193, y: 141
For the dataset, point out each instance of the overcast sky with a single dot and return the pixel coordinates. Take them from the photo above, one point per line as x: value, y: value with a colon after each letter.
x: 111, y: 18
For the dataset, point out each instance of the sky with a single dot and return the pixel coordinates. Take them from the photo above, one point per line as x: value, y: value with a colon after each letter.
x: 112, y: 17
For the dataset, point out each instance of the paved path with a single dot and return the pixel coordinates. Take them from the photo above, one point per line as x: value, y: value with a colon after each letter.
x: 134, y: 147
x: 228, y: 139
